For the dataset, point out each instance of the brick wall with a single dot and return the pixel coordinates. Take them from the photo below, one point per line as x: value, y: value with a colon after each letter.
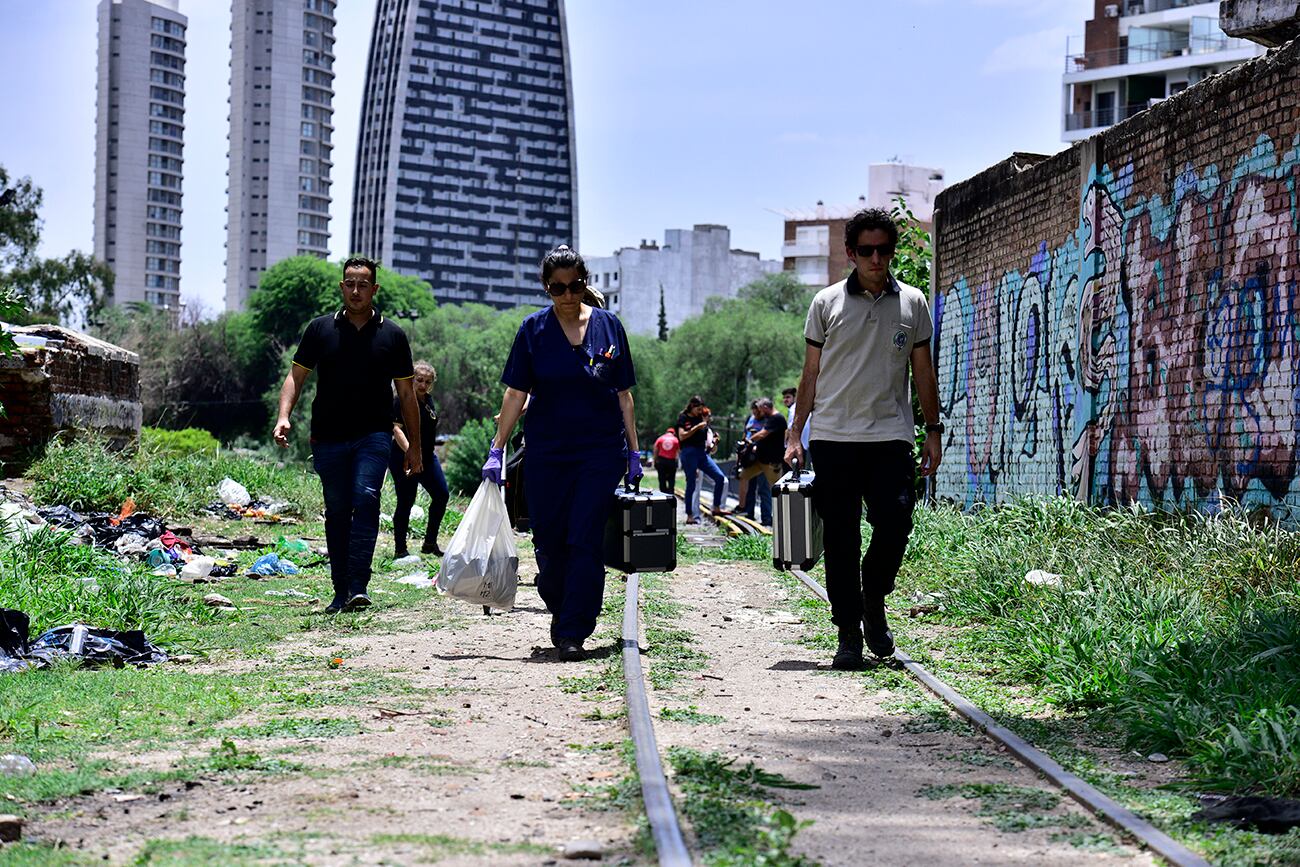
x: 62, y: 380
x: 1120, y: 322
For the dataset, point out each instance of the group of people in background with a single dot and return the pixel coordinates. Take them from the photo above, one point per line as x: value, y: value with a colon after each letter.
x: 867, y: 342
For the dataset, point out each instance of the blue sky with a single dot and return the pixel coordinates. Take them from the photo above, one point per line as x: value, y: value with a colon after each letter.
x: 688, y: 111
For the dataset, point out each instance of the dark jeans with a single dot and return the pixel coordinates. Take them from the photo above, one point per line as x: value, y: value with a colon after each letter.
x: 408, y: 488
x: 694, y: 460
x: 351, y: 475
x: 569, y: 500
x: 667, y: 470
x: 848, y: 474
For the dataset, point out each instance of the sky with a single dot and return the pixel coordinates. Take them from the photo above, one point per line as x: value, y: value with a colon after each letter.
x: 687, y: 111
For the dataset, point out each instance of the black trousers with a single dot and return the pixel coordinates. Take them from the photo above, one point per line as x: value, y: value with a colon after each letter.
x: 667, y: 470
x: 408, y: 488
x: 883, y: 476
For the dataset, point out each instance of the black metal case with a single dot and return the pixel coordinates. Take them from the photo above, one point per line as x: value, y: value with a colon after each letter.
x: 796, y: 526
x: 641, y: 533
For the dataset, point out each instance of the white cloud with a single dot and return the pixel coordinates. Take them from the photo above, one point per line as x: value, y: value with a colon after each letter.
x: 1040, y: 51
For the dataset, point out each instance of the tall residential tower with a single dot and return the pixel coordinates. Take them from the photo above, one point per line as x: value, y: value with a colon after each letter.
x: 281, y: 121
x: 139, y: 122
x: 466, y: 174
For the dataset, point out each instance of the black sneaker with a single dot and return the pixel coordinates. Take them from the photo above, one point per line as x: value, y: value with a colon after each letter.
x: 433, y: 549
x: 336, y: 605
x: 848, y: 657
x: 570, y: 650
x: 358, y: 601
x: 401, y: 554
x: 879, y: 639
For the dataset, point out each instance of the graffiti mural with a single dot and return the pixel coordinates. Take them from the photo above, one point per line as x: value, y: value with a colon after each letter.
x: 1152, y: 356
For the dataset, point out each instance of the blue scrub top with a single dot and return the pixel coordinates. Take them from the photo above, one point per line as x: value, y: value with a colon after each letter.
x: 574, y: 409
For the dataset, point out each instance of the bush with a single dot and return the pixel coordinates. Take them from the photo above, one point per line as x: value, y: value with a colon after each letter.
x: 466, y: 453
x: 178, y: 442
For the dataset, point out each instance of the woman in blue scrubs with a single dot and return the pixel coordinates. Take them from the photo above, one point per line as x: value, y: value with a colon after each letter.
x: 574, y: 361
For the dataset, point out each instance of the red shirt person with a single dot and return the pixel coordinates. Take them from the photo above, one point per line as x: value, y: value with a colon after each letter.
x: 666, y: 449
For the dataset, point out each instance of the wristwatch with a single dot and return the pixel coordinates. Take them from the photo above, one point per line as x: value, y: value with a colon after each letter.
x: 937, y: 427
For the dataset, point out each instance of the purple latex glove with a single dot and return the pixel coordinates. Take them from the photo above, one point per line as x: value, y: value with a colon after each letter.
x: 492, y: 469
x: 634, y: 472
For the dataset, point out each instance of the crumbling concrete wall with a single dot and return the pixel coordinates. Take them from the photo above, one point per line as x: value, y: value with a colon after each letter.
x: 1120, y: 323
x: 64, y: 380
x: 1268, y: 22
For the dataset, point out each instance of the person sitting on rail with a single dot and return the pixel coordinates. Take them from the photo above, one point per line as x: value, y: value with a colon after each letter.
x: 574, y: 359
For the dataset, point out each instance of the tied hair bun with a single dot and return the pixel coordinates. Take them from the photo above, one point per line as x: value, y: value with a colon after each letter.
x: 564, y: 247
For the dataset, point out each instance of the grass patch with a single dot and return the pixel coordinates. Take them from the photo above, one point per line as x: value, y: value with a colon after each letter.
x: 728, y: 808
x: 203, y: 851
x: 1010, y: 808
x: 437, y: 847
x: 299, y: 728
x: 757, y: 548
x: 26, y: 854
x: 690, y: 715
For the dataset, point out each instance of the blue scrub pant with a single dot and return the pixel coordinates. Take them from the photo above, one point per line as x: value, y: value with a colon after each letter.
x: 569, y: 500
x: 694, y: 460
x: 351, y: 475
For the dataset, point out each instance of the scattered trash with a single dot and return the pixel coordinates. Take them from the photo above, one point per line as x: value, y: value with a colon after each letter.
x: 74, y: 641
x: 131, y: 544
x: 417, y: 579
x: 481, y: 565
x: 14, y: 765
x: 272, y: 564
x: 216, y: 600
x: 336, y: 662
x: 232, y: 493
x: 165, y: 571
x: 918, y: 610
x: 290, y: 593
x: 417, y: 513
x: 102, y: 528
x: 292, y: 547
x: 224, y: 569
x: 11, y: 828
x: 1040, y: 578
x: 15, y: 521
x: 408, y: 560
x: 197, y: 569
x: 1267, y: 815
x: 1158, y: 758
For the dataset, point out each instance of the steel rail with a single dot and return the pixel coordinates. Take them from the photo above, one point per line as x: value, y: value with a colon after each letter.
x: 1102, y: 806
x: 664, y: 827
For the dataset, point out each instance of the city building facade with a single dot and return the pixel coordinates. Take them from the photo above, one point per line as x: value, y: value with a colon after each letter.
x: 281, y: 124
x: 1138, y: 52
x: 692, y: 266
x: 466, y: 174
x: 139, y: 150
x: 813, y: 247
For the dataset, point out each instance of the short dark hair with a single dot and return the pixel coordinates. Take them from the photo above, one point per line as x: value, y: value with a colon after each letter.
x: 563, y: 257
x: 765, y: 403
x: 362, y: 262
x: 870, y: 218
x: 793, y: 392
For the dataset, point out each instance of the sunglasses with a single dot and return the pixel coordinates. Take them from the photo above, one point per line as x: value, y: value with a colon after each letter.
x: 557, y: 288
x: 864, y: 251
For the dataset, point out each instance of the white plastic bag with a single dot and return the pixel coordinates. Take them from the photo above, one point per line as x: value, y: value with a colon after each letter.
x: 232, y: 493
x: 481, y: 565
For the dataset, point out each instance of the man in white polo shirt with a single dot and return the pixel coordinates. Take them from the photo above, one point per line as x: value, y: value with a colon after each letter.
x: 862, y: 335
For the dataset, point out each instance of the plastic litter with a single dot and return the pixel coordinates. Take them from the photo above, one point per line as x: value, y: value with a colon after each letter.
x: 14, y: 765
x: 131, y: 544
x: 1040, y: 578
x: 417, y: 513
x: 417, y: 579
x: 292, y: 547
x: 232, y: 493
x: 1269, y: 815
x: 409, y: 560
x: 197, y: 568
x: 481, y: 565
x: 272, y: 564
x: 89, y: 644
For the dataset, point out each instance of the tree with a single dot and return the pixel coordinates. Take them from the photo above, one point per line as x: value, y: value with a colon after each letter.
x: 663, y: 315
x: 55, y: 289
x: 780, y: 292
x: 914, y: 253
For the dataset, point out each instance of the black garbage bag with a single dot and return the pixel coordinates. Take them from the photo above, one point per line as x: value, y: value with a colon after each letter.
x: 106, y: 533
x: 96, y: 646
x: 1268, y: 815
x: 61, y: 516
x: 13, y: 639
x: 92, y: 646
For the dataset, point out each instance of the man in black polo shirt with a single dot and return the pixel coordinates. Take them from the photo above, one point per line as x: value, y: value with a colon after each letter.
x: 359, y: 355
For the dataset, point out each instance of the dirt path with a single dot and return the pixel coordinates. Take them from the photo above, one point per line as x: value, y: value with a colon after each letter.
x: 890, y: 780
x: 488, y: 761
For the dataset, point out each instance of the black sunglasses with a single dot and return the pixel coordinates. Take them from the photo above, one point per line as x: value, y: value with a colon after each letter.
x: 864, y: 251
x: 557, y: 288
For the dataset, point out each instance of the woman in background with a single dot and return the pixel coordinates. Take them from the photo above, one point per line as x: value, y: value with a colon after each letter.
x: 431, y: 478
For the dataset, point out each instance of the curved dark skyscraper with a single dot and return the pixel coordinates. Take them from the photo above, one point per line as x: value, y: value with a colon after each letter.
x: 466, y: 174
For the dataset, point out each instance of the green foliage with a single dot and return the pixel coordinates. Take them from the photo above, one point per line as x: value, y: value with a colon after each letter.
x: 178, y: 442
x: 1180, y: 628
x: 86, y: 476
x: 915, y: 253
x: 780, y: 293
x: 466, y: 454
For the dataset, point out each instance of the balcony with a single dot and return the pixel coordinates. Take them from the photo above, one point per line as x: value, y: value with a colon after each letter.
x: 805, y: 249
x: 1102, y: 117
x: 1191, y: 47
x: 1139, y: 7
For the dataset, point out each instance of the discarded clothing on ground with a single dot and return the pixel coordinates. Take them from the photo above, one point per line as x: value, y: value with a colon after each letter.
x: 1268, y: 815
x: 101, y: 528
x: 89, y: 644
